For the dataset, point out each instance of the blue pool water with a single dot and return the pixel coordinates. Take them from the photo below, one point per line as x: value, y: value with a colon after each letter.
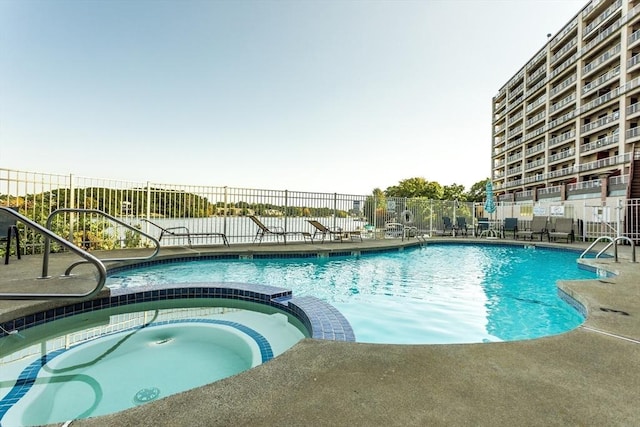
x: 434, y: 294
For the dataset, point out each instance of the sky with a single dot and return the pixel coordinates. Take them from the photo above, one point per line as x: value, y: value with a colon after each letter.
x: 305, y: 95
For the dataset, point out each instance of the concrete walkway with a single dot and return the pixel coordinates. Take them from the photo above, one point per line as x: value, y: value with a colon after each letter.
x: 589, y: 376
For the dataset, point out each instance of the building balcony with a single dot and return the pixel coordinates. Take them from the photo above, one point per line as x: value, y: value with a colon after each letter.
x: 561, y: 120
x: 514, y: 158
x: 515, y: 131
x: 632, y: 135
x: 566, y: 49
x: 562, y: 172
x: 537, y: 103
x: 601, y: 100
x: 601, y: 19
x: 633, y: 110
x: 633, y: 63
x: 535, y: 149
x: 534, y: 164
x: 549, y: 192
x: 617, y: 185
x: 536, y: 119
x: 602, y: 60
x: 516, y: 118
x: 633, y: 40
x: 514, y: 171
x: 525, y: 195
x: 568, y: 83
x: 604, y: 163
x: 601, y: 81
x: 568, y: 101
x: 584, y: 189
x: 561, y: 156
x: 561, y: 139
x: 600, y: 143
x: 599, y: 124
x: 565, y: 65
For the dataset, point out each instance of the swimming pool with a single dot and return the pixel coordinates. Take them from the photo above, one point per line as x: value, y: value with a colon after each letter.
x: 437, y: 294
x: 108, y: 360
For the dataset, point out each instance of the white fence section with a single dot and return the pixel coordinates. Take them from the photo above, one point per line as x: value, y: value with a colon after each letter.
x: 207, y: 209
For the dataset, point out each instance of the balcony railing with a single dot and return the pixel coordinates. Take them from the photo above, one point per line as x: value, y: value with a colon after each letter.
x: 605, y: 57
x: 562, y: 155
x: 602, y: 142
x: 609, y: 161
x: 600, y: 122
x: 601, y: 18
x: 567, y: 82
x: 585, y: 185
x: 562, y: 138
x: 534, y: 164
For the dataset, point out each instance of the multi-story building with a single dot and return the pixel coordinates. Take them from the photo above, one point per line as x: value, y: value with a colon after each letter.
x: 566, y: 125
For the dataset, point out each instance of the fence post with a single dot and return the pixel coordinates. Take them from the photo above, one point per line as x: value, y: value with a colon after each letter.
x: 335, y: 209
x: 286, y: 212
x: 72, y: 202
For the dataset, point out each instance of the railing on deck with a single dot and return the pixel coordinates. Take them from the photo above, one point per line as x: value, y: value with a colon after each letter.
x: 210, y: 209
x: 101, y: 270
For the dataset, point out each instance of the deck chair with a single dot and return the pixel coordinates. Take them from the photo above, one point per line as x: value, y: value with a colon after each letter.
x: 278, y: 232
x: 461, y: 225
x: 337, y: 234
x: 448, y: 225
x: 510, y: 224
x: 563, y: 229
x: 538, y: 226
x: 9, y: 228
x: 183, y: 232
x: 483, y: 225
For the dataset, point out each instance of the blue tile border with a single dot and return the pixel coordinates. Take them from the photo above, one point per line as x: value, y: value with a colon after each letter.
x: 573, y: 303
x: 312, y: 312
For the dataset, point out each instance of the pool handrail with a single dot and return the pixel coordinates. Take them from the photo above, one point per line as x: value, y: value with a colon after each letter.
x: 612, y: 241
x: 49, y: 235
x: 110, y: 217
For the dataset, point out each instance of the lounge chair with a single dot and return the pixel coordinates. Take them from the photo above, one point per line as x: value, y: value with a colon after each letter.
x: 461, y: 225
x: 278, y: 232
x: 538, y: 226
x: 8, y: 228
x: 182, y: 232
x: 337, y: 234
x: 563, y: 229
x: 447, y: 225
x: 483, y: 225
x: 510, y: 224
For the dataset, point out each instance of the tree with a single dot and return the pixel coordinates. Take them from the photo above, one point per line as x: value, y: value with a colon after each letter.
x: 454, y: 192
x: 477, y: 191
x: 415, y: 187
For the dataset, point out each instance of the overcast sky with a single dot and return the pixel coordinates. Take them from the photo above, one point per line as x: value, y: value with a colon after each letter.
x: 329, y: 96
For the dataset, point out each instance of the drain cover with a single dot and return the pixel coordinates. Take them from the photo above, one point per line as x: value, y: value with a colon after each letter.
x: 146, y: 395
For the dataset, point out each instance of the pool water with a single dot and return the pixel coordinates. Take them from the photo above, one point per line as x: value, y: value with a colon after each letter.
x: 110, y: 360
x: 434, y: 294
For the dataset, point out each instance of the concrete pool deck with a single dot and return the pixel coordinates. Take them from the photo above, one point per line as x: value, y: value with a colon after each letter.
x: 589, y: 376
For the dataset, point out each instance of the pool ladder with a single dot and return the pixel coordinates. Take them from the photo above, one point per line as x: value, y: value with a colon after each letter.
x: 613, y: 241
x: 87, y: 258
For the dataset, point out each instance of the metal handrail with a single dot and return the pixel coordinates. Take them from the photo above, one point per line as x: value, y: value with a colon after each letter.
x: 612, y: 241
x: 102, y: 271
x: 67, y: 272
